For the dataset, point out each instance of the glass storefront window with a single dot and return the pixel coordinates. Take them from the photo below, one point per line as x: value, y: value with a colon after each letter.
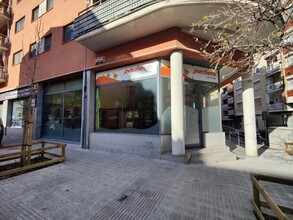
x: 201, y: 105
x: 192, y: 106
x: 128, y: 107
x: 72, y: 114
x: 18, y: 109
x: 211, y: 111
x: 53, y: 115
x: 165, y: 106
x: 62, y: 111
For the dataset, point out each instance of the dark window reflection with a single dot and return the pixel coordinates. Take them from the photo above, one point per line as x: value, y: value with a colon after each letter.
x: 128, y: 106
x: 62, y: 115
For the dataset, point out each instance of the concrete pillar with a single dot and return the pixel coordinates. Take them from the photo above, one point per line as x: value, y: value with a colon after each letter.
x: 89, y: 107
x: 249, y: 115
x: 177, y: 105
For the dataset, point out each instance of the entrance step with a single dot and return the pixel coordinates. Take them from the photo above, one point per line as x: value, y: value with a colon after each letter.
x: 176, y: 158
x: 210, y: 155
x: 206, y: 155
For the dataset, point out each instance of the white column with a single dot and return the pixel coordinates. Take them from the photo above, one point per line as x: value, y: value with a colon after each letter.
x: 177, y: 105
x: 249, y: 115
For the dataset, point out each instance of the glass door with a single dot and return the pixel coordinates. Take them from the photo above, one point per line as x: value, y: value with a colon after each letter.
x: 52, y: 117
x: 192, y: 105
x: 72, y: 115
x: 62, y: 116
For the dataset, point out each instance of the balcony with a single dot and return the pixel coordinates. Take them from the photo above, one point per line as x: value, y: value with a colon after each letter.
x: 4, y: 14
x: 226, y: 118
x: 3, y: 74
x: 274, y: 87
x: 225, y: 107
x: 110, y: 23
x: 276, y: 107
x: 3, y: 43
x: 224, y: 96
x: 231, y: 112
x: 230, y: 89
x: 273, y: 68
x: 231, y: 100
x: 239, y: 112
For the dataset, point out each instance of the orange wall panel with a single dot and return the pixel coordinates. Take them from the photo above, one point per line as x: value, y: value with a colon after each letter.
x: 61, y: 59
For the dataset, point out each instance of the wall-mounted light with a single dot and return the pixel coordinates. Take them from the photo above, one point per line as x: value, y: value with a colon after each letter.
x: 100, y: 60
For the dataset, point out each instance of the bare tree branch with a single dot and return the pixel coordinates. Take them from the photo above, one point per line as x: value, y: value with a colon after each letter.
x: 252, y: 27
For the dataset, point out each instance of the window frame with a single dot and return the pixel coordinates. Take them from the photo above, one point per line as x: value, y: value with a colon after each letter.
x: 126, y: 114
x: 31, y: 53
x: 47, y: 46
x: 33, y: 13
x: 66, y: 27
x: 14, y: 57
x: 19, y: 22
x: 49, y: 6
x: 257, y: 102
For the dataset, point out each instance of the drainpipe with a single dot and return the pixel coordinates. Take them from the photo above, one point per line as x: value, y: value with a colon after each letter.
x: 84, y: 111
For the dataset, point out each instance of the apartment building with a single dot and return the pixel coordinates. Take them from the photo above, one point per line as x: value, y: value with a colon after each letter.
x: 279, y: 97
x: 259, y: 84
x: 133, y: 82
x: 273, y: 108
x: 228, y: 109
x: 42, y: 53
x: 5, y: 19
x: 232, y: 105
x: 278, y: 105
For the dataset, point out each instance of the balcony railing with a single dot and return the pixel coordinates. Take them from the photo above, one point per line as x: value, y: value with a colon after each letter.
x: 4, y: 9
x: 230, y: 88
x: 105, y: 11
x: 3, y: 74
x: 225, y: 118
x: 225, y: 107
x: 231, y: 112
x: 275, y: 86
x: 276, y: 106
x: 273, y: 68
x: 3, y: 40
x: 239, y: 112
x: 224, y: 96
x: 231, y: 100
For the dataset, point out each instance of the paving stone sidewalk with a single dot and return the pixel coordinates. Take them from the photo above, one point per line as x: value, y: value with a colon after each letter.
x: 100, y: 185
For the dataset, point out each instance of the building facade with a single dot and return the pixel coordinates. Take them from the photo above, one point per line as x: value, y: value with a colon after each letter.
x: 123, y: 76
x: 259, y: 84
x: 273, y: 108
x: 42, y: 53
x: 133, y: 85
x: 5, y: 20
x: 279, y: 82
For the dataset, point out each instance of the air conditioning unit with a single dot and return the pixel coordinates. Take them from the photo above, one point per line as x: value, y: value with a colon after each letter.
x: 270, y: 87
